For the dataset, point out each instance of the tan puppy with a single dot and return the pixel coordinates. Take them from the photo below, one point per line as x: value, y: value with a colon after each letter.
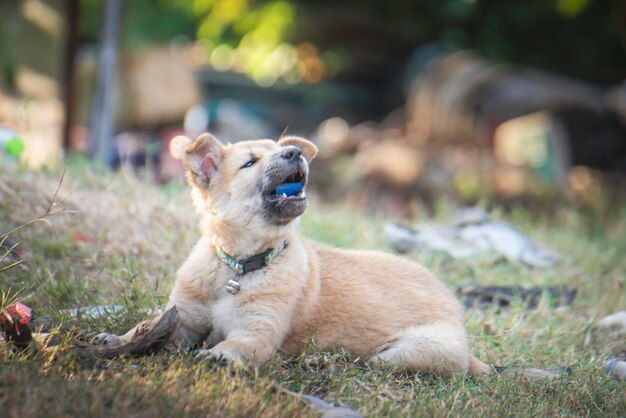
x: 377, y: 306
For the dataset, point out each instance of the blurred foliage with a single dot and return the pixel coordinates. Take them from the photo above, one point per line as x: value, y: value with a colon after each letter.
x: 250, y: 36
x: 245, y: 36
x: 144, y: 22
x: 571, y: 8
x: 585, y: 38
x: 292, y: 40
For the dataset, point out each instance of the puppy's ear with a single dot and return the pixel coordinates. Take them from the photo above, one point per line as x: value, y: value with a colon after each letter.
x: 178, y: 144
x: 201, y: 157
x: 309, y: 150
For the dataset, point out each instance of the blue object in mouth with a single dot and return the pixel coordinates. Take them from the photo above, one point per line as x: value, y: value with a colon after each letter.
x: 289, y: 189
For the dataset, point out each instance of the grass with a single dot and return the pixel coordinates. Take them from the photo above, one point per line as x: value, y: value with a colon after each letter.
x: 119, y: 240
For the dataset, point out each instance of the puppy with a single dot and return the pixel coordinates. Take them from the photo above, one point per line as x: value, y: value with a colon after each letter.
x: 252, y: 285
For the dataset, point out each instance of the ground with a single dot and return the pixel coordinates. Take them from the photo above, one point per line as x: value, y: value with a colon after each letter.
x: 118, y: 239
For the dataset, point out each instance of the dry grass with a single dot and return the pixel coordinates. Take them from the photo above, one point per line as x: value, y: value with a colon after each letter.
x: 123, y: 238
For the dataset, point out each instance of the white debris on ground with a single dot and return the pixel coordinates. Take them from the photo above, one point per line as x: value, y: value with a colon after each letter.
x: 328, y: 410
x: 472, y: 234
x: 104, y: 311
x: 616, y: 368
x: 615, y: 322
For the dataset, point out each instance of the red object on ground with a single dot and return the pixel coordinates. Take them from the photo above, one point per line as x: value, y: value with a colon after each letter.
x: 14, y: 324
x: 82, y: 238
x: 87, y: 239
x: 20, y: 312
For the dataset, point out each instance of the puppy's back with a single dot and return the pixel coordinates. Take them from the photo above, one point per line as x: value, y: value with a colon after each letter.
x: 373, y: 294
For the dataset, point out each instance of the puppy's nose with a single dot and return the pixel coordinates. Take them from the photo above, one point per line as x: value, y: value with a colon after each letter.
x: 291, y: 153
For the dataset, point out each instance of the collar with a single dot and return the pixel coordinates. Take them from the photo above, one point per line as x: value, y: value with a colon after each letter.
x: 256, y: 262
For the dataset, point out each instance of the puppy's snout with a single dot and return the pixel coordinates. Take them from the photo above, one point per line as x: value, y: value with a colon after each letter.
x: 291, y: 153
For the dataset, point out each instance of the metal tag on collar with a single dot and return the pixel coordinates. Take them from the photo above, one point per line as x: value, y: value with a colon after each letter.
x: 233, y: 286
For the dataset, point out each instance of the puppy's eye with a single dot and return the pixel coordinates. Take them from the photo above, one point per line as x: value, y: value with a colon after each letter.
x: 248, y: 164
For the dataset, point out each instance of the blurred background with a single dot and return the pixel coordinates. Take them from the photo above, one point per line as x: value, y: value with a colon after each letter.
x: 407, y: 100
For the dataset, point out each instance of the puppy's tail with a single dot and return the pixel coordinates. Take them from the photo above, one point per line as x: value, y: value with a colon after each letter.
x: 529, y: 373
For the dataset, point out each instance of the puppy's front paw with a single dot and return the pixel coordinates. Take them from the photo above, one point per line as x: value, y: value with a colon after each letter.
x: 106, y: 339
x: 220, y: 355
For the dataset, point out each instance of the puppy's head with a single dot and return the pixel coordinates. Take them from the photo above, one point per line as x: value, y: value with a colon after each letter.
x: 250, y: 183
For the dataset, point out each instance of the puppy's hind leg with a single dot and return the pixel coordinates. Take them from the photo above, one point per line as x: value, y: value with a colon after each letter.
x: 105, y: 338
x: 438, y: 348
x: 183, y: 336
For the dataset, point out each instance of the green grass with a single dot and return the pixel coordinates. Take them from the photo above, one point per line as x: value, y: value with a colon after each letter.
x: 125, y: 237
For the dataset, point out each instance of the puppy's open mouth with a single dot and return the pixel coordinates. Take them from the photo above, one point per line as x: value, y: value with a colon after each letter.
x: 284, y: 197
x: 290, y: 188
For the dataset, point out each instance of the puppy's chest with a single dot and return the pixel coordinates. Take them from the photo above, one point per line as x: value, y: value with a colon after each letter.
x: 225, y: 315
x: 229, y: 310
x: 257, y: 295
x: 259, y: 291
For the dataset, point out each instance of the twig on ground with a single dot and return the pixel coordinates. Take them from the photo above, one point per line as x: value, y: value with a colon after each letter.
x: 327, y: 409
x: 8, y: 252
x: 50, y: 210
